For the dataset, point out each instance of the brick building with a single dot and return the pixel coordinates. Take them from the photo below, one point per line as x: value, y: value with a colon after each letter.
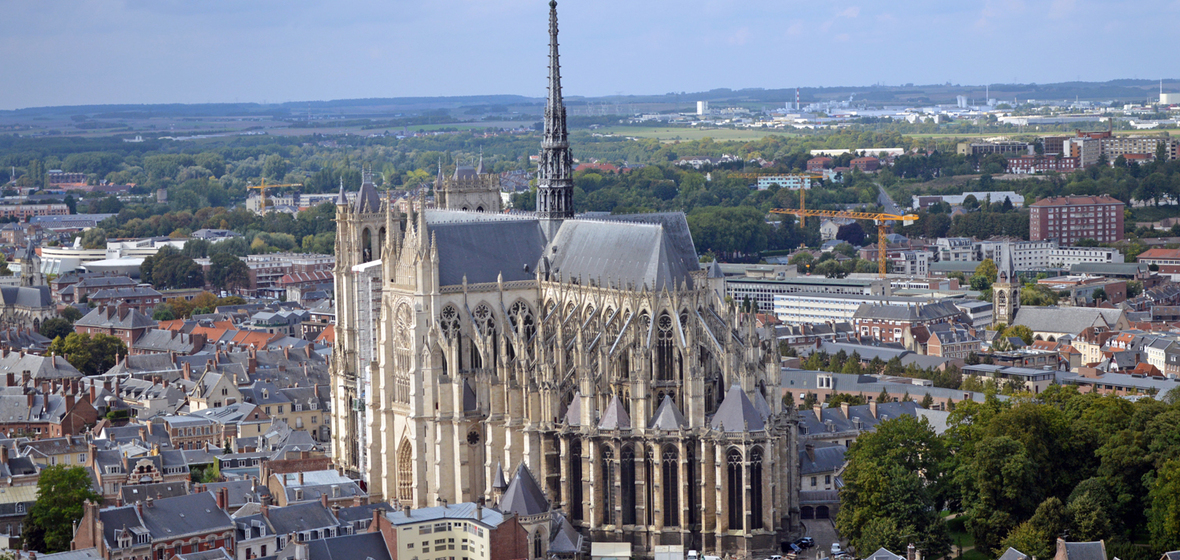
x: 817, y: 164
x: 866, y: 164
x: 1069, y: 219
x: 126, y: 324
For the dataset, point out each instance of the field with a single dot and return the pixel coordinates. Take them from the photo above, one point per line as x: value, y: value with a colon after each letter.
x: 671, y: 134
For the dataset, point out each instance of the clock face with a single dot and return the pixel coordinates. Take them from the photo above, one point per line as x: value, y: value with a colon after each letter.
x: 473, y: 438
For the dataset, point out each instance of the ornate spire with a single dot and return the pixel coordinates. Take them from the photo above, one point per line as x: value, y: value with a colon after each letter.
x: 555, y: 184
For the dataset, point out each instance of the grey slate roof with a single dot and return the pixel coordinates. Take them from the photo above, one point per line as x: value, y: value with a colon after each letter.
x: 827, y: 459
x: 185, y: 515
x: 566, y: 539
x: 882, y: 554
x: 635, y: 254
x: 737, y: 413
x: 799, y: 381
x: 1094, y: 550
x: 109, y: 317
x: 1070, y: 320
x: 482, y: 250
x: 303, y: 516
x: 926, y: 312
x: 367, y: 200
x: 1013, y: 554
x: 132, y: 493
x: 667, y: 416
x: 240, y: 492
x: 349, y: 547
x: 360, y: 514
x: 491, y: 517
x: 573, y: 416
x: 26, y: 296
x: 524, y: 496
x: 499, y: 483
x: 615, y: 417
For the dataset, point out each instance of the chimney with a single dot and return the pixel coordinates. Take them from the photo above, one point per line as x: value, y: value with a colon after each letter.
x: 10, y: 380
x: 844, y: 409
x: 406, y: 510
x: 324, y: 500
x: 223, y: 498
x: 139, y: 507
x: 4, y: 454
x: 307, y: 351
x: 31, y: 396
x: 301, y: 478
x: 286, y: 352
x: 356, y: 501
x: 186, y: 371
x: 810, y: 448
x: 479, y: 512
x: 818, y: 409
x: 93, y: 393
x: 24, y: 377
x: 909, y: 552
x: 873, y: 408
x: 264, y: 509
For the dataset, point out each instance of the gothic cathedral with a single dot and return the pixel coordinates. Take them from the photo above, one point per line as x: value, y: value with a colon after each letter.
x: 593, y: 358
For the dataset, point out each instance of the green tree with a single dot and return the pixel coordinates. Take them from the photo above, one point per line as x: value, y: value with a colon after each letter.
x: 94, y: 238
x: 987, y: 269
x: 91, y: 356
x: 71, y: 314
x: 1021, y: 331
x: 55, y: 327
x: 61, y: 493
x: 927, y: 401
x: 1099, y: 295
x: 1163, y: 517
x: 163, y: 312
x: 228, y: 272
x: 892, y: 488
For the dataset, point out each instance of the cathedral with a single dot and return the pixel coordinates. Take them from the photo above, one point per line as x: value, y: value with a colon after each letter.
x: 593, y: 357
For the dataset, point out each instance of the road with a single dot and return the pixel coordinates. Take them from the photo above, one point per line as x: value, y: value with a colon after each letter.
x: 824, y: 533
x: 884, y: 200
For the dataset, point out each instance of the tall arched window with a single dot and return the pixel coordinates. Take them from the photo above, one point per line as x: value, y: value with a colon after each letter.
x: 694, y: 487
x: 733, y: 461
x: 575, y: 458
x: 756, y: 488
x: 664, y: 364
x: 608, y: 485
x: 649, y: 481
x: 366, y: 245
x: 405, y: 473
x: 627, y: 483
x: 671, y: 486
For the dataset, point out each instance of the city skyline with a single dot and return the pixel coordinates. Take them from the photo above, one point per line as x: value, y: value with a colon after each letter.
x: 117, y: 52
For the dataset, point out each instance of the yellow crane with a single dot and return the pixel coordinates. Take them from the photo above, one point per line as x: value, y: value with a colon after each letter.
x: 262, y: 191
x: 802, y: 192
x: 881, y: 219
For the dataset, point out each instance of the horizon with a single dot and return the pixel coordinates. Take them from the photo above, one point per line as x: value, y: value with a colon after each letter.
x: 132, y: 52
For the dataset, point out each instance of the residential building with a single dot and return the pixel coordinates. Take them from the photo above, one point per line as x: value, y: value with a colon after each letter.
x: 867, y: 164
x: 466, y: 530
x: 979, y: 313
x: 1116, y: 146
x: 140, y: 298
x: 798, y: 383
x: 985, y: 148
x: 1028, y: 165
x: 156, y: 529
x: 830, y: 227
x: 911, y: 263
x: 892, y: 323
x: 122, y: 322
x: 817, y: 164
x: 22, y: 212
x: 1069, y: 219
x: 78, y: 289
x: 289, y: 488
x: 949, y: 341
x: 793, y: 182
x: 956, y: 249
x: 1027, y: 379
x: 1167, y: 260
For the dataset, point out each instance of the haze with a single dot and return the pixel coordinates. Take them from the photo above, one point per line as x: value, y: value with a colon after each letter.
x: 171, y: 51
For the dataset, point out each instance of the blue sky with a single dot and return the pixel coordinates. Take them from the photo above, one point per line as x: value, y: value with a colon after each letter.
x: 68, y: 52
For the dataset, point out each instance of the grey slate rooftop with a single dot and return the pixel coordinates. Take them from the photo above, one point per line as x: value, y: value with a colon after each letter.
x: 524, y: 496
x: 737, y: 413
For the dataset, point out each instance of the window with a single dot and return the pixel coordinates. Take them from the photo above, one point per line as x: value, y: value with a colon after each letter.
x: 280, y: 409
x: 813, y: 481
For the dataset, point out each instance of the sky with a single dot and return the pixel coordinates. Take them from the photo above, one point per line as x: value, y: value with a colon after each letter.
x: 82, y: 52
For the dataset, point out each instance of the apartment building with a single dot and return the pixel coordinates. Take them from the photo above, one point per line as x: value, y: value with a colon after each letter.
x: 764, y: 290
x: 1116, y: 146
x: 1069, y: 219
x: 822, y: 308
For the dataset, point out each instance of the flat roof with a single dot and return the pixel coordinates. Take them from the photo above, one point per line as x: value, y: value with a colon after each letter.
x: 810, y: 280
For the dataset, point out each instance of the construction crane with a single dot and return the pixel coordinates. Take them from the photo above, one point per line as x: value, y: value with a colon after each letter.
x: 262, y: 191
x: 802, y: 192
x: 880, y: 219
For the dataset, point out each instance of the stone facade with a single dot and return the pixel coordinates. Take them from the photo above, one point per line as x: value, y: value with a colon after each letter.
x: 595, y: 352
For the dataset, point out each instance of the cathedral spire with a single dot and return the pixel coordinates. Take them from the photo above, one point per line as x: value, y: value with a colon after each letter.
x: 555, y: 184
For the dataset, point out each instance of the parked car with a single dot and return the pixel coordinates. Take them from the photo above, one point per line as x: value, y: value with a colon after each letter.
x: 805, y: 543
x: 836, y: 550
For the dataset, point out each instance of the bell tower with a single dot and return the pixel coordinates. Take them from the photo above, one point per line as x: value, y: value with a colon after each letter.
x: 1006, y: 290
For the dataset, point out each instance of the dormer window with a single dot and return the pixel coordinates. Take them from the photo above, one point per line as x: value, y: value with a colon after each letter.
x: 266, y: 393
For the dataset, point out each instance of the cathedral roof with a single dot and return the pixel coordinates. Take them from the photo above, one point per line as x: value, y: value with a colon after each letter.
x: 761, y: 405
x: 524, y: 496
x: 26, y: 296
x: 715, y: 270
x: 482, y: 250
x: 655, y: 251
x: 573, y: 416
x: 367, y: 201
x: 667, y: 416
x: 737, y: 413
x: 464, y: 172
x: 615, y: 417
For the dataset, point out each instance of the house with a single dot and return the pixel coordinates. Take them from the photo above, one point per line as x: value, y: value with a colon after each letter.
x: 255, y: 537
x: 891, y: 323
x: 1013, y: 554
x: 156, y: 529
x: 829, y: 228
x: 490, y: 534
x: 81, y: 289
x: 140, y: 298
x: 289, y: 488
x: 1095, y: 550
x: 67, y: 451
x: 122, y: 322
x: 950, y: 341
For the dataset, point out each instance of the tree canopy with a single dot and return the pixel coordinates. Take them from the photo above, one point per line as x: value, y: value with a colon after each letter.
x: 61, y: 493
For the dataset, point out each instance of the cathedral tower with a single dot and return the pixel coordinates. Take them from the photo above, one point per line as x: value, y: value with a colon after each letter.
x: 469, y: 189
x: 30, y: 268
x: 555, y: 181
